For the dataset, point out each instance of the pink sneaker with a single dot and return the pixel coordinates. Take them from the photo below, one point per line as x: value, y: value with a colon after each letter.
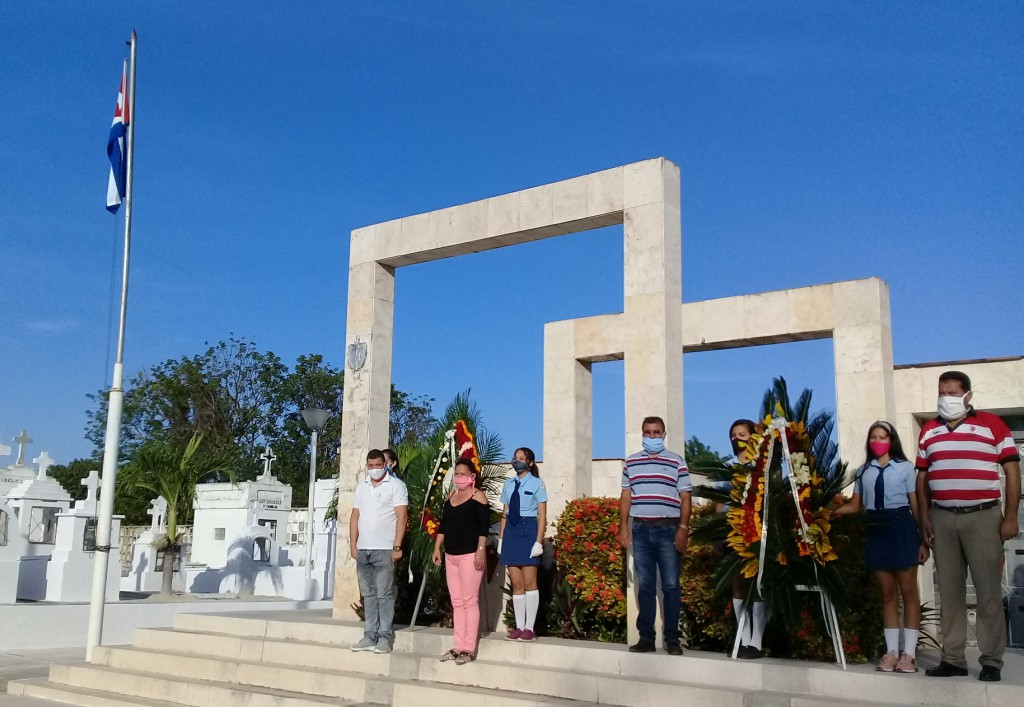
x: 888, y: 662
x: 515, y: 634
x: 906, y: 665
x: 527, y: 635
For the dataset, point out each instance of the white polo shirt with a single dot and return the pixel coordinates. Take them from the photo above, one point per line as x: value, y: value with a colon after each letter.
x: 377, y: 517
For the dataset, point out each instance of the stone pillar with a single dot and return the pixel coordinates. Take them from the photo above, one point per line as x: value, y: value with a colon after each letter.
x: 568, y: 419
x: 366, y: 407
x: 862, y: 347
x: 652, y: 292
x: 653, y: 325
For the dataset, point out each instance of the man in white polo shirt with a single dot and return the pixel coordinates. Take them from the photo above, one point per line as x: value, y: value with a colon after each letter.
x: 958, y: 462
x: 376, y: 528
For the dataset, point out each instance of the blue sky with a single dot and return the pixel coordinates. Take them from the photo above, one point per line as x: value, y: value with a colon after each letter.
x: 817, y: 142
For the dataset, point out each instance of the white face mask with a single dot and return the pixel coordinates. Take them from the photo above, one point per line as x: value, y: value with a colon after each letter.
x: 376, y: 474
x: 951, y: 407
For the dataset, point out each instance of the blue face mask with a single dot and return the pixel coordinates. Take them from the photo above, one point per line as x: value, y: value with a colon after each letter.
x: 654, y: 445
x: 519, y: 466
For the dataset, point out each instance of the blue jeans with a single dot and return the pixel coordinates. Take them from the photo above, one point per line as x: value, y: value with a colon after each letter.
x: 376, y: 574
x: 654, y: 553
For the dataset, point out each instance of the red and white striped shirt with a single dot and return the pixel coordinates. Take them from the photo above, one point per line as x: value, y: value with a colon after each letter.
x: 963, y: 464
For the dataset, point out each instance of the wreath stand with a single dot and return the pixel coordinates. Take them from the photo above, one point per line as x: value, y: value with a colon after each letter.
x: 828, y: 609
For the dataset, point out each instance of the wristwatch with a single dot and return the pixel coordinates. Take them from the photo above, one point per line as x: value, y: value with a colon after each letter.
x: 397, y: 548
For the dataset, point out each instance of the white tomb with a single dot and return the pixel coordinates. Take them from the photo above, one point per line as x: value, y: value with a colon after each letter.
x: 18, y: 472
x: 146, y: 574
x: 238, y: 531
x: 325, y: 538
x: 12, y: 547
x: 37, y: 503
x: 225, y: 511
x: 69, y: 572
x: 324, y: 541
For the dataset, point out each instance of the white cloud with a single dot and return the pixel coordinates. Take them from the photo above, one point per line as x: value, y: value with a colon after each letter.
x: 51, y: 326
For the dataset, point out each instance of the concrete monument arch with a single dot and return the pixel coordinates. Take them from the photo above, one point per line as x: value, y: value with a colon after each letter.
x: 643, y: 197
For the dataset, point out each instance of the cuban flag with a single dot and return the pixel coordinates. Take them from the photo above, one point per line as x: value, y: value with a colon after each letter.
x: 116, y: 147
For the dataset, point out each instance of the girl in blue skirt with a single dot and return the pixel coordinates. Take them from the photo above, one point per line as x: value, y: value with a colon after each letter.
x: 893, y: 548
x: 523, y: 520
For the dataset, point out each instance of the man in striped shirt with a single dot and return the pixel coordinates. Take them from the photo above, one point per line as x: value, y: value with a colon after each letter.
x: 654, y: 512
x: 958, y: 488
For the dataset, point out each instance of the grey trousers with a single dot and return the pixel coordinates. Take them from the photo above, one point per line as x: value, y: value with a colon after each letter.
x: 376, y: 574
x: 962, y: 541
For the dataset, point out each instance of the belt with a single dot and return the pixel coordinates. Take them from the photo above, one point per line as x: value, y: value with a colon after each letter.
x: 656, y: 522
x: 961, y: 510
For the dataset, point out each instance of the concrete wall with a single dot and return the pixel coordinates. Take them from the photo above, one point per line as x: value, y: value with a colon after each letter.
x: 36, y: 626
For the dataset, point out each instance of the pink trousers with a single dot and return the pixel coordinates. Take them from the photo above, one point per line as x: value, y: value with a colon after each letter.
x: 464, y: 587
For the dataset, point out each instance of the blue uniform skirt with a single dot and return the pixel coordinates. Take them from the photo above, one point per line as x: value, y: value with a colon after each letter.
x: 517, y: 542
x: 893, y: 539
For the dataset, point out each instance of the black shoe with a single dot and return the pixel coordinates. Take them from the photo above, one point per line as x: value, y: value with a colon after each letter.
x: 674, y: 649
x: 948, y: 670
x: 750, y: 653
x: 990, y: 673
x: 643, y: 646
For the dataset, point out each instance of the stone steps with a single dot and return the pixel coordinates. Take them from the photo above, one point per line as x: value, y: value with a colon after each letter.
x: 302, y: 659
x: 93, y: 686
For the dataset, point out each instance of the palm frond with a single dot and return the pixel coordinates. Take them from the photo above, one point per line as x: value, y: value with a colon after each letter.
x: 802, y: 410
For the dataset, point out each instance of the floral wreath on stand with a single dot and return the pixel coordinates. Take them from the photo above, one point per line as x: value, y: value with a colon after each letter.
x: 459, y: 444
x: 748, y: 518
x: 778, y: 524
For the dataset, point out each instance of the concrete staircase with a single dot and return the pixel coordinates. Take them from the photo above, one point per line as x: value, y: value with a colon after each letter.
x: 302, y: 659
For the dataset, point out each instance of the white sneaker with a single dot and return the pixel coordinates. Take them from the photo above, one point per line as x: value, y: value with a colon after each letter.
x: 383, y: 646
x: 365, y: 644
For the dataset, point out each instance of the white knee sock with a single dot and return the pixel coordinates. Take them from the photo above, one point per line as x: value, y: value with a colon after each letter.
x: 910, y: 641
x: 892, y: 640
x: 757, y: 624
x: 532, y: 604
x: 519, y: 609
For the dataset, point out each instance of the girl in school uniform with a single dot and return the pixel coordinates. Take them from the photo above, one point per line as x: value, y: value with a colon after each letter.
x: 523, y: 519
x: 391, y: 462
x: 465, y: 525
x: 886, y: 485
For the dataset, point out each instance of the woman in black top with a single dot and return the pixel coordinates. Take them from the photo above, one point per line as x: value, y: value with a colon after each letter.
x: 465, y: 524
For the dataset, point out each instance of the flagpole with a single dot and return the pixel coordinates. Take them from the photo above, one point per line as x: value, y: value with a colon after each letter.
x: 115, y: 403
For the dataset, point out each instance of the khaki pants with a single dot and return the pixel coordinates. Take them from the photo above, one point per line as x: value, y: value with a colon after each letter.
x: 971, y: 540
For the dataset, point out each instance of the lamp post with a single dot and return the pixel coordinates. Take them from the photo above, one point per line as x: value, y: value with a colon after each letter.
x: 315, y: 420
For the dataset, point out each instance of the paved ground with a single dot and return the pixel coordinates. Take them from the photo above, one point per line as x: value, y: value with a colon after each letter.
x: 34, y: 663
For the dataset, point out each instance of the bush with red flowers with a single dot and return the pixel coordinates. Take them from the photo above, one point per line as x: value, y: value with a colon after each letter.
x: 590, y: 596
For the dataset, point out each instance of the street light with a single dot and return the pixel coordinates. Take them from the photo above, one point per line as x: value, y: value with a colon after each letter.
x: 315, y: 420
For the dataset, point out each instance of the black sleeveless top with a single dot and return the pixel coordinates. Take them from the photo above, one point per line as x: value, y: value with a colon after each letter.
x: 463, y: 526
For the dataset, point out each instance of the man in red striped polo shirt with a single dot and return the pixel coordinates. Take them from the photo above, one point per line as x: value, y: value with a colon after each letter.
x: 958, y: 488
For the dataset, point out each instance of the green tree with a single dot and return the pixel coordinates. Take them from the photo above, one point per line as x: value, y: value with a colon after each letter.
x: 412, y: 421
x: 162, y: 468
x: 70, y: 475
x: 699, y: 455
x: 241, y: 399
x: 126, y: 504
x: 231, y: 394
x: 313, y: 384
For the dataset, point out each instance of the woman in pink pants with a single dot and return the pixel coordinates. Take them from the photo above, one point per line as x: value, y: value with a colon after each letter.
x: 465, y: 524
